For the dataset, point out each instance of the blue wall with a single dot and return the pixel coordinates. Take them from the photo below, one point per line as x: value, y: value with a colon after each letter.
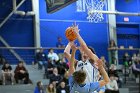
x: 130, y: 6
x: 133, y: 26
x: 17, y: 28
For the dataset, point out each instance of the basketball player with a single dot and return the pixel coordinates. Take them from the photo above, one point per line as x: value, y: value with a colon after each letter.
x: 82, y: 64
x: 85, y: 64
x: 77, y: 78
x: 91, y: 55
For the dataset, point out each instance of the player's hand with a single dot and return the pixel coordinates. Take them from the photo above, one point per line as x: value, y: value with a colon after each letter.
x: 99, y: 63
x: 74, y: 47
x: 71, y: 43
x: 76, y: 28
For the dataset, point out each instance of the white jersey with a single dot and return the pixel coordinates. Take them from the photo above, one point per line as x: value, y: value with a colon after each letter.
x: 91, y: 71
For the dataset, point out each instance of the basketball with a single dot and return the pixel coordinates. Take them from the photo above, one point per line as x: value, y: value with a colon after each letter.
x: 69, y: 33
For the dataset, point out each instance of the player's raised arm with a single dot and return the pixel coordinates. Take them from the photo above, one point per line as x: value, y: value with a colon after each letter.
x: 83, y: 44
x: 72, y: 60
x: 103, y: 73
x: 67, y: 51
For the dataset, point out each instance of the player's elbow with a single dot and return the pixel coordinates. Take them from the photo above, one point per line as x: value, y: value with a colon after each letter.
x: 71, y: 71
x: 103, y: 82
x: 107, y: 81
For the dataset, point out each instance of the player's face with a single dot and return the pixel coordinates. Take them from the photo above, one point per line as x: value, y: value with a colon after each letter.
x: 85, y: 56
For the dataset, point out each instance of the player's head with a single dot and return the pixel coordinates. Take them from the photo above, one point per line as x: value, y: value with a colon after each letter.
x: 79, y: 76
x: 85, y: 56
x: 92, y: 49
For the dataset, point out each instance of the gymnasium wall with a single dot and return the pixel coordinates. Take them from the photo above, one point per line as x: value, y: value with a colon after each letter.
x: 132, y: 27
x: 18, y: 27
x: 128, y: 6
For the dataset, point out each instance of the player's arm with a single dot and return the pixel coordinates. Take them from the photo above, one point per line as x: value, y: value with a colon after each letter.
x: 103, y: 73
x: 98, y: 85
x: 72, y: 60
x: 67, y: 51
x: 84, y: 46
x: 86, y: 49
x: 102, y: 90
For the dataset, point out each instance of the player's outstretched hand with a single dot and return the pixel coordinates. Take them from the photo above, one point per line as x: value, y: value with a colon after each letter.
x: 76, y: 28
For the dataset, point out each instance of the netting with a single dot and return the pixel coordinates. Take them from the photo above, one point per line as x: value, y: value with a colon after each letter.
x: 92, y: 7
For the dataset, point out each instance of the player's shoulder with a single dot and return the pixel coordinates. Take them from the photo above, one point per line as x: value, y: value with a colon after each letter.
x: 94, y: 83
x: 94, y: 86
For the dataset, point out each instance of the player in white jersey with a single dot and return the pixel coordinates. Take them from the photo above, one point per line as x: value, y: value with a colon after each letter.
x: 89, y: 66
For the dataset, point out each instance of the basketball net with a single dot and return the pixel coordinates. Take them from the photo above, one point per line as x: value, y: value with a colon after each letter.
x: 92, y: 7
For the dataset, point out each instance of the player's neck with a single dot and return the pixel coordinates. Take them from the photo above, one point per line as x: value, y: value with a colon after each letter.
x: 84, y: 60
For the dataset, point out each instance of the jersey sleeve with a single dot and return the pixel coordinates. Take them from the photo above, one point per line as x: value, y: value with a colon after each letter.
x: 94, y: 86
x: 102, y: 89
x: 71, y: 81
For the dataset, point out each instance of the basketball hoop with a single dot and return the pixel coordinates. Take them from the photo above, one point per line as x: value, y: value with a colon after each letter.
x: 92, y: 7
